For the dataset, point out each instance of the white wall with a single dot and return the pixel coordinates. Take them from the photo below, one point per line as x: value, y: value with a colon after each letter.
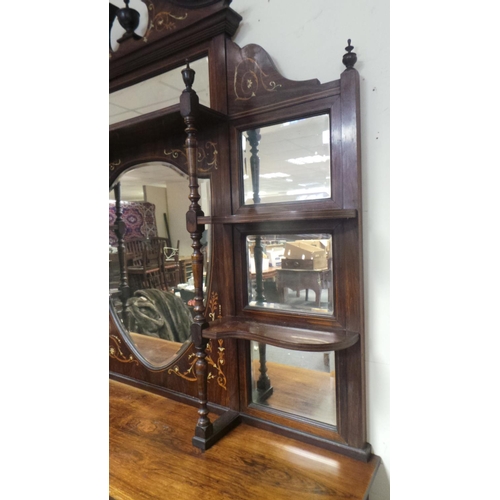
x: 307, y: 40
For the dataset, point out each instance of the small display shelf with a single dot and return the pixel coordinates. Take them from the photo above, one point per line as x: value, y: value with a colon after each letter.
x: 163, y: 122
x: 290, y: 215
x: 299, y: 339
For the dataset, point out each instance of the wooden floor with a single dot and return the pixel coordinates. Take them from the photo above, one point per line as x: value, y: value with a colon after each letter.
x: 151, y: 457
x: 300, y: 391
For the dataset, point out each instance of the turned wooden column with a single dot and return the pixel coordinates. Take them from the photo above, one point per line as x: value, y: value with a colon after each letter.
x: 120, y: 234
x: 264, y: 383
x: 189, y: 111
x: 254, y: 139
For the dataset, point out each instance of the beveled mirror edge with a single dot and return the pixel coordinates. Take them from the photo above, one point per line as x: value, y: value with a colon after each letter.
x: 114, y: 179
x: 130, y: 345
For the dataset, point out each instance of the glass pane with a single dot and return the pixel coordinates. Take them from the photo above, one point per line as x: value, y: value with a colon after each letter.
x: 158, y: 92
x: 158, y: 308
x: 296, y: 382
x: 290, y: 272
x: 287, y: 162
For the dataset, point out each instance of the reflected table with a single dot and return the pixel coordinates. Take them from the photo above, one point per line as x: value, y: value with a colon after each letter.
x: 302, y: 279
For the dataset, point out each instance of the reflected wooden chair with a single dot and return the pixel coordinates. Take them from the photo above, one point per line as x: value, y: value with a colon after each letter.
x: 134, y: 251
x: 169, y: 257
x: 146, y: 265
x: 172, y: 266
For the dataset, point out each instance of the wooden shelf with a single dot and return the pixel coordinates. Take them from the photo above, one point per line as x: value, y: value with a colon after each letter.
x: 298, y: 339
x: 290, y: 215
x: 166, y: 121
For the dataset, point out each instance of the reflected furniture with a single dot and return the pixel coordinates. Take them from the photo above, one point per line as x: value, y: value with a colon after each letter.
x: 303, y: 279
x: 145, y: 264
x: 185, y: 269
x: 248, y: 95
x: 171, y: 266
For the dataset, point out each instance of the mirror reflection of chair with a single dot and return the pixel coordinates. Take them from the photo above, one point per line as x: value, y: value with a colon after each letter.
x: 171, y: 266
x: 146, y: 269
x: 134, y: 251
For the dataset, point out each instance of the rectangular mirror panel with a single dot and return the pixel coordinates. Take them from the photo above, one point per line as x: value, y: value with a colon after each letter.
x: 158, y: 92
x: 290, y: 272
x: 287, y: 162
x: 296, y: 382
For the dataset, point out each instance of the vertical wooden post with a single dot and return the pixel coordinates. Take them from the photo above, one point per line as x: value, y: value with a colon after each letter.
x: 263, y: 383
x: 254, y: 139
x: 189, y: 111
x: 120, y: 234
x: 350, y: 363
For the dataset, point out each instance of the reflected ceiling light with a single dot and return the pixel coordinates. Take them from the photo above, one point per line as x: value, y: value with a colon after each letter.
x: 274, y: 175
x: 292, y: 122
x: 303, y: 455
x: 294, y: 192
x: 326, y: 136
x: 309, y: 159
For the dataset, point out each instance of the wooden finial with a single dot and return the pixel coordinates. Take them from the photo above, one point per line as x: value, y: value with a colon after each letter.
x: 188, y: 76
x: 350, y: 58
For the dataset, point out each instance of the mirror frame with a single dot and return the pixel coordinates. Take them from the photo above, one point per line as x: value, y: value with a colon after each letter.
x: 327, y: 106
x: 275, y: 99
x: 131, y: 165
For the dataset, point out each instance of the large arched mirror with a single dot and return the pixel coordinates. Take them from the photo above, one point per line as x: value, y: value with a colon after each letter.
x: 151, y: 288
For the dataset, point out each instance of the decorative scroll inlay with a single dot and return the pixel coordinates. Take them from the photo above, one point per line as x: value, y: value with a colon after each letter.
x: 189, y: 374
x: 214, y: 306
x: 206, y: 156
x: 162, y: 21
x: 116, y: 353
x: 114, y: 164
x: 249, y: 77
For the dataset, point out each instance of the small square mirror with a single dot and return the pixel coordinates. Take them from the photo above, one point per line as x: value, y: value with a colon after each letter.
x: 291, y: 272
x: 287, y: 162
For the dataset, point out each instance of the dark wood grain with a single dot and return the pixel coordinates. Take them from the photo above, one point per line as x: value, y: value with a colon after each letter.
x: 289, y: 215
x: 151, y: 458
x: 134, y: 60
x: 239, y: 104
x: 285, y: 336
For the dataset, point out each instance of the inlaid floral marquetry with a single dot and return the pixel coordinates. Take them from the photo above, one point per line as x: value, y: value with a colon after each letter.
x: 206, y: 156
x: 214, y: 308
x: 115, y: 352
x: 250, y: 79
x: 162, y: 21
x: 114, y: 164
x: 219, y: 375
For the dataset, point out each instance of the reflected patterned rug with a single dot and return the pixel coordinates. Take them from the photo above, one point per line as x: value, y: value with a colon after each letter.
x: 139, y: 218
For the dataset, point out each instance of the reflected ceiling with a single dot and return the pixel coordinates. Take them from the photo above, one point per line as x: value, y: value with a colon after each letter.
x: 152, y: 174
x: 296, y: 142
x: 158, y: 92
